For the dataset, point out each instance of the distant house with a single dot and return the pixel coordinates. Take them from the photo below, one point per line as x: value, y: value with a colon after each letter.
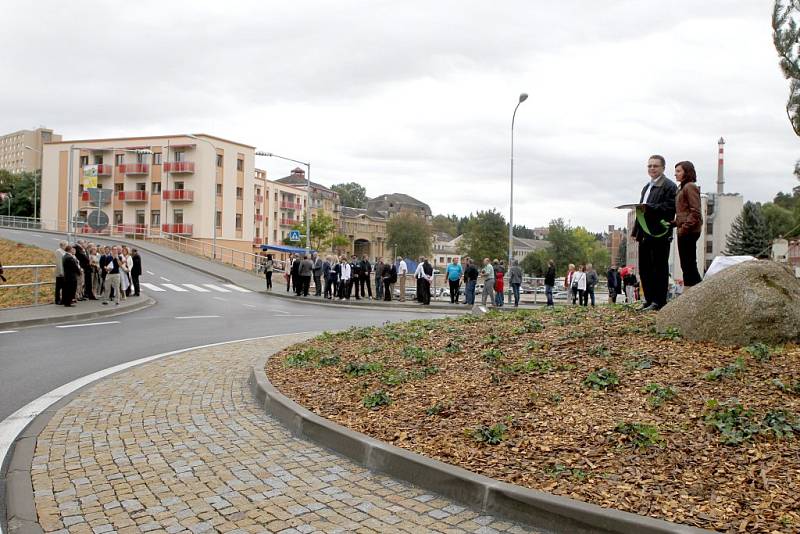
x: 389, y: 205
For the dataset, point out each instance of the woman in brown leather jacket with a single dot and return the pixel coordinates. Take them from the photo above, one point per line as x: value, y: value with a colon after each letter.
x: 688, y: 221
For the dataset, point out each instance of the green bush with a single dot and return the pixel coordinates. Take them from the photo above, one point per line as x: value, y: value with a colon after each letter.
x: 658, y: 394
x: 491, y: 435
x: 417, y: 354
x: 734, y: 424
x: 326, y: 361
x: 602, y: 379
x: 759, y: 351
x: 640, y: 435
x: 492, y: 355
x: 303, y: 358
x: 733, y: 369
x: 378, y: 398
x: 361, y: 368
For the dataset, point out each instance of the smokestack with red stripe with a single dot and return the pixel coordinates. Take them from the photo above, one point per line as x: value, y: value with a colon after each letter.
x: 720, y: 167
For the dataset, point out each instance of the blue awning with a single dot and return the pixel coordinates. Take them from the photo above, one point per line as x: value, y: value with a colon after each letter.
x: 285, y: 248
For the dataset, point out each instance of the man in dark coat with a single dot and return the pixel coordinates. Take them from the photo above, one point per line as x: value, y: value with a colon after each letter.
x: 425, y: 282
x: 72, y: 270
x: 355, y: 271
x: 378, y: 278
x: 550, y: 281
x: 136, y: 271
x: 83, y: 261
x: 654, y: 233
x: 316, y: 272
x: 614, y: 284
x: 295, y: 274
x: 365, y: 278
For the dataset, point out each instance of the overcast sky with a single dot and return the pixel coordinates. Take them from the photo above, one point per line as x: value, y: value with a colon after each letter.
x: 416, y: 97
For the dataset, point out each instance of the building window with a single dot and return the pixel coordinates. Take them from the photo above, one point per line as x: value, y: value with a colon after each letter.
x: 179, y: 186
x: 218, y: 220
x: 179, y: 156
x: 139, y: 216
x: 155, y: 218
x: 239, y: 164
x: 119, y: 187
x: 238, y: 221
x: 98, y: 160
x: 709, y: 247
x: 709, y: 228
x: 239, y: 193
x: 118, y: 217
x: 119, y: 159
x: 177, y: 216
x: 219, y: 160
x: 141, y: 158
x: 84, y: 161
x: 141, y: 186
x: 219, y: 190
x: 157, y: 158
x: 99, y: 185
x: 156, y: 188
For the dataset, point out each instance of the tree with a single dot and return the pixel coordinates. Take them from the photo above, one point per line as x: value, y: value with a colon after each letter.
x: 410, y: 233
x: 352, y: 195
x: 779, y: 220
x: 565, y: 247
x: 535, y: 263
x: 749, y: 235
x: 445, y: 223
x: 322, y: 228
x: 786, y: 36
x: 21, y: 188
x: 485, y: 236
x: 524, y: 232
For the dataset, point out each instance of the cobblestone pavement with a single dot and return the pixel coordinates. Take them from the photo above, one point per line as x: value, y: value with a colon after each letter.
x: 179, y: 445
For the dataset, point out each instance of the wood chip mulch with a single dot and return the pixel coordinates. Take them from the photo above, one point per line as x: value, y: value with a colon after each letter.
x: 591, y: 404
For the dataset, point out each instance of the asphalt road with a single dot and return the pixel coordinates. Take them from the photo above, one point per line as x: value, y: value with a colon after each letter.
x: 36, y: 360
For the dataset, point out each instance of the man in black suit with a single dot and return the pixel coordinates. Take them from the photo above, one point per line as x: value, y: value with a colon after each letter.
x: 654, y: 233
x: 83, y: 261
x: 136, y: 271
x: 72, y: 270
x: 356, y: 274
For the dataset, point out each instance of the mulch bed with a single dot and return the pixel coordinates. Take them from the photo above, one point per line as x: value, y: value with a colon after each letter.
x: 694, y: 433
x: 12, y: 253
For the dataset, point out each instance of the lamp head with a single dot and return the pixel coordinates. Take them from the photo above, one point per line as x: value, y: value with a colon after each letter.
x: 523, y: 97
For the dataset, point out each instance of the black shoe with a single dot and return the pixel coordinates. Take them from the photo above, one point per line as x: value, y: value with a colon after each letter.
x: 652, y: 307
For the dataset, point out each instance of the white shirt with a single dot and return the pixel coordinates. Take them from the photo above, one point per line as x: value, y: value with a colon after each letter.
x: 646, y: 195
x: 402, y: 268
x: 346, y: 271
x: 580, y: 279
x: 418, y: 272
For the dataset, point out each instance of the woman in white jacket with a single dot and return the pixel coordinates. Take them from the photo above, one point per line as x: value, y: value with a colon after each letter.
x: 125, y: 271
x: 579, y: 278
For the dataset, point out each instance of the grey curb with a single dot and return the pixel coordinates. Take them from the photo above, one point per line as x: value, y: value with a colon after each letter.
x: 537, y: 508
x: 383, y: 307
x: 146, y: 302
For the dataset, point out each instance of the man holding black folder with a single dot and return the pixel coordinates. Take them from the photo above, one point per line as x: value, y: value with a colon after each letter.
x: 654, y: 233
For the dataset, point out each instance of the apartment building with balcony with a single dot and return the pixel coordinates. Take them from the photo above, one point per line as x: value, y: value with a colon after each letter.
x: 194, y: 186
x: 14, y: 157
x: 277, y: 208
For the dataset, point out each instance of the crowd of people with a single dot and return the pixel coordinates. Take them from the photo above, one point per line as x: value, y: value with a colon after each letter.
x: 85, y: 271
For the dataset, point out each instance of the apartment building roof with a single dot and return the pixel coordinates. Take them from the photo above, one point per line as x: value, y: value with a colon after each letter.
x: 72, y: 141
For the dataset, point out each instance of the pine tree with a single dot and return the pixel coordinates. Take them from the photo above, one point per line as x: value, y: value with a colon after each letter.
x: 785, y: 36
x: 749, y: 235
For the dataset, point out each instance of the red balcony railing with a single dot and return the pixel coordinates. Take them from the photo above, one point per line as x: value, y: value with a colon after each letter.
x: 289, y: 222
x: 184, y: 229
x: 104, y: 170
x: 85, y: 196
x: 132, y: 196
x: 179, y: 166
x: 258, y: 199
x: 177, y: 195
x: 259, y: 217
x: 291, y: 206
x: 258, y: 240
x: 134, y: 168
x: 86, y: 229
x: 130, y: 229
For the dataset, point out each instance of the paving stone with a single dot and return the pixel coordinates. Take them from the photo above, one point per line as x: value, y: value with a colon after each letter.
x: 180, y: 445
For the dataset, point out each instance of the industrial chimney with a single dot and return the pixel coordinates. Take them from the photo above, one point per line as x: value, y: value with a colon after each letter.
x: 720, y: 167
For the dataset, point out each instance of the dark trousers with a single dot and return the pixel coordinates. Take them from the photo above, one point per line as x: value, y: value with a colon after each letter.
x: 135, y: 282
x: 419, y: 289
x: 454, y: 285
x: 318, y: 284
x: 425, y: 291
x: 344, y: 289
x: 582, y: 297
x: 305, y: 284
x: 548, y: 291
x: 590, y: 294
x: 378, y: 287
x: 469, y: 292
x: 574, y: 294
x: 68, y: 293
x: 59, y: 289
x: 269, y: 279
x: 687, y: 249
x: 88, y: 292
x: 354, y: 285
x: 296, y: 284
x: 387, y: 290
x: 365, y: 281
x: 515, y: 290
x: 654, y: 269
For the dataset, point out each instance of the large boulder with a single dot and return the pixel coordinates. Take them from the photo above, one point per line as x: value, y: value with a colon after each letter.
x: 749, y: 302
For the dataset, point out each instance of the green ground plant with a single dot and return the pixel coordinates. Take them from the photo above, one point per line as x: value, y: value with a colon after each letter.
x: 602, y: 379
x: 491, y: 435
x: 640, y: 435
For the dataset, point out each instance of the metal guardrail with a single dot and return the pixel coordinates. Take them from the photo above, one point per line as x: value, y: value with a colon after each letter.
x: 37, y: 281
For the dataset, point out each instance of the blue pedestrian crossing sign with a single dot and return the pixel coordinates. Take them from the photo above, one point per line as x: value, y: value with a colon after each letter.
x: 294, y: 235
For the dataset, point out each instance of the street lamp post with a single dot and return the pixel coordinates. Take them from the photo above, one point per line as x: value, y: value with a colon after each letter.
x: 308, y: 193
x: 213, y: 196
x: 36, y: 178
x: 522, y: 98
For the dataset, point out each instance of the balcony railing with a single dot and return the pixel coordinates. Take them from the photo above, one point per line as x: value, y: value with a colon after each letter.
x: 289, y: 222
x: 85, y: 197
x: 258, y: 240
x: 131, y: 229
x: 132, y: 196
x: 181, y: 229
x: 291, y: 206
x: 259, y: 217
x: 135, y: 168
x: 177, y: 195
x: 104, y: 170
x: 258, y: 199
x: 179, y: 167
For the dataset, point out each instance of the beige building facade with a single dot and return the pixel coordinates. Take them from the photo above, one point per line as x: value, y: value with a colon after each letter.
x: 16, y: 158
x: 194, y: 186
